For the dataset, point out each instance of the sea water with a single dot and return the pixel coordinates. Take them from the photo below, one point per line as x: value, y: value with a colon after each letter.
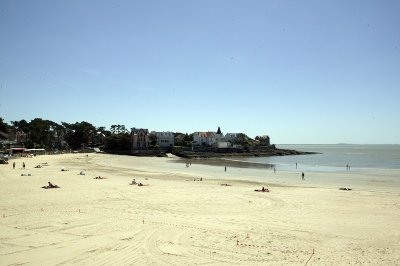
x: 335, y: 157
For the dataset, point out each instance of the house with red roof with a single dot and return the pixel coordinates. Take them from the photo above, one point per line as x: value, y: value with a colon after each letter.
x: 207, y: 138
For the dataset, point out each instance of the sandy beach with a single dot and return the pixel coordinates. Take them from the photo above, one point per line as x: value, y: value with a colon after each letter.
x: 174, y: 220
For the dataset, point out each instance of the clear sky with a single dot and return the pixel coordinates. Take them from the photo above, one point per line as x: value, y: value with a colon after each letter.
x: 299, y: 71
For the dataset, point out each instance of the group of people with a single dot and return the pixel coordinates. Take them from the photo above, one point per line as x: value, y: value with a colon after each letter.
x: 263, y: 189
x: 23, y: 165
x: 133, y: 182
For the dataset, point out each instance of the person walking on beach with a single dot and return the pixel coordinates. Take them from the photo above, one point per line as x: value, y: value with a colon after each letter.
x: 302, y: 176
x: 23, y: 165
x: 296, y: 165
x: 13, y: 165
x: 225, y: 168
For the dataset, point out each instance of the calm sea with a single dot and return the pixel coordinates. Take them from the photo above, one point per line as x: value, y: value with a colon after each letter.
x: 335, y: 157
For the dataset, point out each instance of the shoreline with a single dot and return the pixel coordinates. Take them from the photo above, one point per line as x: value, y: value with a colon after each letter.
x: 223, y: 161
x: 244, y: 171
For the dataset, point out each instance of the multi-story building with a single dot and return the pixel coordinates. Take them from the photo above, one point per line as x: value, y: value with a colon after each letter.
x: 164, y: 139
x: 204, y: 138
x: 230, y: 137
x: 207, y: 138
x: 139, y: 138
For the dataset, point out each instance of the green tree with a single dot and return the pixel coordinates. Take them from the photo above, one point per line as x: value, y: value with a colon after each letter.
x: 153, y: 140
x: 188, y: 138
x: 104, y: 131
x: 4, y: 129
x: 118, y: 142
x: 117, y: 129
x: 78, y: 135
x: 40, y: 133
x: 21, y: 125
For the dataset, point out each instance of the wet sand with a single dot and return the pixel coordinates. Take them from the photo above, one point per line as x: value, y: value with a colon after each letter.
x: 178, y: 221
x: 228, y: 162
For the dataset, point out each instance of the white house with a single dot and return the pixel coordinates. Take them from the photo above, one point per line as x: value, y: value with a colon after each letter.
x: 164, y: 139
x: 204, y: 138
x: 208, y: 138
x: 223, y: 144
x: 231, y: 136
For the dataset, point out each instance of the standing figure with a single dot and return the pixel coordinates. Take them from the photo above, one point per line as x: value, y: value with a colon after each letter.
x: 23, y: 165
x: 302, y: 176
x: 13, y: 165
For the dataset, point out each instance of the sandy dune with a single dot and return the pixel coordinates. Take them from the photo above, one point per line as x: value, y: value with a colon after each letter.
x: 177, y: 221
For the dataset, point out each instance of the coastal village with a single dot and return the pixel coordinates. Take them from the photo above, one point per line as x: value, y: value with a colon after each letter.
x: 138, y: 141
x: 46, y: 137
x: 200, y: 142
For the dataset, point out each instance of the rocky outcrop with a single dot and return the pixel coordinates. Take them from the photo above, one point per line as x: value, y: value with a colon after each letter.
x: 259, y: 153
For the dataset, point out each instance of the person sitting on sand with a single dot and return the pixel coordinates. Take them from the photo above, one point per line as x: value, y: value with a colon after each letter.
x: 262, y: 190
x: 140, y: 184
x: 133, y: 182
x: 50, y: 185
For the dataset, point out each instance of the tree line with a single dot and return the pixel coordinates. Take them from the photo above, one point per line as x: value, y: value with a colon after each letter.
x: 41, y: 133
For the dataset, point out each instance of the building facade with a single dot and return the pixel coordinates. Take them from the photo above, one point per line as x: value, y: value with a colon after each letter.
x: 204, y: 138
x: 230, y: 137
x: 139, y: 138
x: 164, y: 139
x: 208, y: 138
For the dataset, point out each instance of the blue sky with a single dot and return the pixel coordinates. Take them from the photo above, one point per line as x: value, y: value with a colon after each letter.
x: 299, y: 71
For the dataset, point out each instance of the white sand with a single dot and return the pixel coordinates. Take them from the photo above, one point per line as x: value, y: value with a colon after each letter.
x: 178, y: 221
